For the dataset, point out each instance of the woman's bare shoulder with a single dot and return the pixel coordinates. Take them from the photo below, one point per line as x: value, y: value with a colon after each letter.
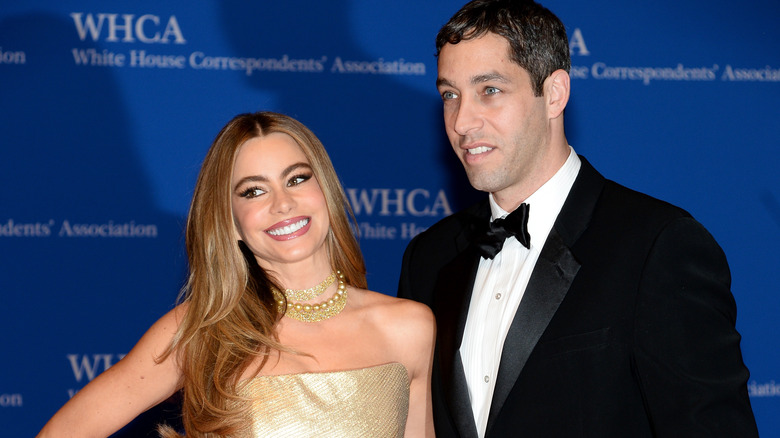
x: 393, y: 307
x: 158, y: 337
x: 170, y: 321
x: 400, y: 316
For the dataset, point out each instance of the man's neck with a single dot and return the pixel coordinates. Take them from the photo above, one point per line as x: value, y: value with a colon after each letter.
x: 510, y: 198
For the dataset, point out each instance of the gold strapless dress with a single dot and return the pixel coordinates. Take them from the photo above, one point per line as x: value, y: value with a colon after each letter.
x: 369, y: 402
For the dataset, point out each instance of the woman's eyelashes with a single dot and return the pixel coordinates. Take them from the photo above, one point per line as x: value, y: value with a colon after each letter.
x: 255, y: 191
x: 298, y: 179
x: 251, y: 192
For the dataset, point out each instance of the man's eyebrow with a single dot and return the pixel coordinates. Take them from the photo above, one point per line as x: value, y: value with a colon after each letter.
x: 441, y: 82
x: 476, y: 80
x: 487, y: 77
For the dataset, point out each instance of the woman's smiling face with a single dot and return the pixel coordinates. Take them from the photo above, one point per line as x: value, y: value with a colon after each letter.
x: 278, y: 207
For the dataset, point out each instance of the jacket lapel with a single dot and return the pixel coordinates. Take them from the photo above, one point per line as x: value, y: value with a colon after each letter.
x: 553, y: 274
x: 551, y: 279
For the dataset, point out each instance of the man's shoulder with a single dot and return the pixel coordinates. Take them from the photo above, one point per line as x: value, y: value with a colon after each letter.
x: 625, y: 201
x: 456, y: 223
x: 431, y: 251
x: 447, y: 237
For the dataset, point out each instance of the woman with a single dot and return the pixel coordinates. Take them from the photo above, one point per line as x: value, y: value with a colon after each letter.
x: 255, y: 347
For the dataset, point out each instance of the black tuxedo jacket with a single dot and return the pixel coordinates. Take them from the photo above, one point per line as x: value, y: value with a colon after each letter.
x: 626, y: 328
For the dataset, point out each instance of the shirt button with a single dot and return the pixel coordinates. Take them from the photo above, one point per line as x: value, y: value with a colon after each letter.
x: 498, y: 296
x: 487, y: 379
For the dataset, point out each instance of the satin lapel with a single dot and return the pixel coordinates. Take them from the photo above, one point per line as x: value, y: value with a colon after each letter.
x: 553, y: 274
x: 550, y: 281
x: 453, y: 296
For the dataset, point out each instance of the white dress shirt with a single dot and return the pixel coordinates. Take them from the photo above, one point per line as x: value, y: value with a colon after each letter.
x: 499, y: 286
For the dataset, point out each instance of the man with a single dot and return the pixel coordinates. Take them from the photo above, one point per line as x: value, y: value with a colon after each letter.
x: 610, y: 313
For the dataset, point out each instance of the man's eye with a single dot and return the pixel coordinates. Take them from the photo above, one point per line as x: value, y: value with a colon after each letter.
x: 448, y: 95
x: 492, y: 90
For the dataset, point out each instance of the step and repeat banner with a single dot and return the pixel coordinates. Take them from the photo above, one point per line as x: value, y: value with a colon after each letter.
x: 107, y: 110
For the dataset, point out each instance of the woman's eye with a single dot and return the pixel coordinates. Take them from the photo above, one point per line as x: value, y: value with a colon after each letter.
x: 252, y: 192
x: 298, y: 179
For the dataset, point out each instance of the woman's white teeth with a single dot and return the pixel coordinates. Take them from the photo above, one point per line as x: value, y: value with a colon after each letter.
x: 289, y: 228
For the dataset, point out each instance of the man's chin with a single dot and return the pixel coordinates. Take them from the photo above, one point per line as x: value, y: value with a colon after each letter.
x: 479, y: 182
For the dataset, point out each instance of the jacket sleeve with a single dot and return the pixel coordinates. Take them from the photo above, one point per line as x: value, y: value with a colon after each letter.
x: 687, y: 350
x: 405, y: 282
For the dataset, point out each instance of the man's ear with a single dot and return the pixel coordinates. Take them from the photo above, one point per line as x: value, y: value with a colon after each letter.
x: 556, y: 91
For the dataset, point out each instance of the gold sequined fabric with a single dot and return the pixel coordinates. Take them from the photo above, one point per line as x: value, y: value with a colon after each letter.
x: 369, y: 402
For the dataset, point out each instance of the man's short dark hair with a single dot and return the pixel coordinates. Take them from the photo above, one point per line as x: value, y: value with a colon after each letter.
x: 537, y: 38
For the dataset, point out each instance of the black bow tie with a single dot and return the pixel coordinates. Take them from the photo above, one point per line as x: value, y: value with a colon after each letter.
x: 490, y: 242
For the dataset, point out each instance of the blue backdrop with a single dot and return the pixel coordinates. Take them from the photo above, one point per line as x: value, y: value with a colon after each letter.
x: 107, y: 109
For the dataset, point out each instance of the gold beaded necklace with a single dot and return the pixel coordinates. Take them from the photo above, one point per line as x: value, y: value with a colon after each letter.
x: 307, y: 294
x: 318, y: 311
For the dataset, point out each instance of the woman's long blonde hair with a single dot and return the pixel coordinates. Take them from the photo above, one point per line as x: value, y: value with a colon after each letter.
x: 231, y: 313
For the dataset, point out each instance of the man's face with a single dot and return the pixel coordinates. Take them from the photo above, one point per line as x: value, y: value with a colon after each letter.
x: 496, y: 125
